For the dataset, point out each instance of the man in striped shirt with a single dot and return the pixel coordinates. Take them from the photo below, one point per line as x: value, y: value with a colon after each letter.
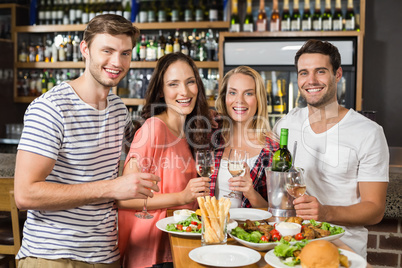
x: 68, y: 158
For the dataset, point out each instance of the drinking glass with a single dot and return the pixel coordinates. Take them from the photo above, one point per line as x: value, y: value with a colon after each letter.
x: 236, y: 166
x: 205, y: 163
x: 295, y: 183
x: 146, y: 167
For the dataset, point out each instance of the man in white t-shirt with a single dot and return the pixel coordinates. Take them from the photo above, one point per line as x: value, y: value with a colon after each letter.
x: 345, y: 155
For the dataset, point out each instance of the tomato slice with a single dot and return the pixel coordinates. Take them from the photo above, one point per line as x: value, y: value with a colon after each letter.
x: 264, y: 238
x: 274, y: 231
x: 199, y: 226
x: 194, y: 223
x: 276, y: 237
x: 188, y: 229
x: 179, y: 227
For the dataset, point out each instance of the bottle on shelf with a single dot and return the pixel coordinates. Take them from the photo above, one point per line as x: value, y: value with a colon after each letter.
x: 161, y: 45
x: 162, y: 12
x: 85, y: 12
x: 143, y: 13
x: 275, y: 23
x: 177, y: 42
x: 72, y: 11
x: 143, y: 48
x: 41, y: 15
x: 185, y: 45
x: 269, y: 97
x: 79, y: 11
x: 23, y: 53
x: 262, y: 20
x: 151, y: 50
x: 327, y: 17
x: 282, y: 159
x: 69, y: 48
x: 317, y: 16
x: 210, y: 45
x: 285, y: 21
x: 31, y: 52
x: 92, y: 10
x: 248, y: 24
x: 51, y: 82
x: 54, y: 12
x: 188, y: 11
x: 76, y: 48
x: 202, y: 50
x: 300, y: 101
x: 169, y: 44
x: 48, y: 48
x: 306, y: 19
x: 193, y: 45
x: 40, y: 50
x: 127, y: 11
x: 44, y: 82
x: 48, y: 12
x: 234, y: 17
x: 176, y: 13
x: 152, y: 12
x: 350, y: 18
x: 337, y: 18
x: 295, y: 20
x: 279, y: 99
x: 213, y: 11
x: 200, y: 11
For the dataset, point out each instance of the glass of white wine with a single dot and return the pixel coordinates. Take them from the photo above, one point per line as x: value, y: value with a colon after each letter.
x: 236, y: 166
x: 295, y: 183
x: 146, y: 167
x: 205, y: 162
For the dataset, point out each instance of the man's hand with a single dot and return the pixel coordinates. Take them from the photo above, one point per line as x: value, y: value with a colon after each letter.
x: 308, y: 207
x: 135, y: 185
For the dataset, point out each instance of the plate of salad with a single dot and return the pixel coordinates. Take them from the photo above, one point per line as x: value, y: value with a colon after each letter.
x: 282, y: 256
x: 188, y: 227
x: 266, y: 237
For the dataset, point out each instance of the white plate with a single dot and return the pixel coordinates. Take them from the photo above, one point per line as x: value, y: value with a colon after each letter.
x: 161, y: 224
x: 224, y: 256
x: 271, y: 245
x: 242, y: 214
x: 355, y: 261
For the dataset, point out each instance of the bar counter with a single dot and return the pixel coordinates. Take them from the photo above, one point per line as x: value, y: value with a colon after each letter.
x: 182, y: 245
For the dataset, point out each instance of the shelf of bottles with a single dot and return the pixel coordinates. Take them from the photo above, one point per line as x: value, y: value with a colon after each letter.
x: 303, y: 15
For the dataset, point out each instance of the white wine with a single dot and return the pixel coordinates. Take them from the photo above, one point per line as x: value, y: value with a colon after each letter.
x: 205, y: 171
x: 236, y: 169
x: 296, y: 190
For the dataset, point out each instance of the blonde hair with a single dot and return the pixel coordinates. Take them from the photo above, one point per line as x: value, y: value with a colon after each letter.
x: 260, y: 121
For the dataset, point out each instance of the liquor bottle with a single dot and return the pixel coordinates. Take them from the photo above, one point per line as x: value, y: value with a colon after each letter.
x: 72, y: 12
x: 152, y: 12
x: 176, y: 42
x: 76, y: 48
x: 200, y: 11
x: 269, y: 97
x: 234, y: 18
x: 306, y: 19
x: 317, y: 16
x: 41, y: 13
x: 213, y: 11
x: 285, y: 21
x: 282, y: 159
x: 202, y: 50
x: 44, y: 81
x: 210, y: 45
x: 54, y: 12
x: 169, y: 44
x: 300, y: 101
x: 69, y: 48
x: 327, y: 17
x: 188, y: 12
x: 51, y: 82
x: 193, y: 45
x: 60, y: 11
x: 350, y: 22
x: 162, y: 12
x: 23, y: 53
x: 161, y: 45
x: 176, y: 13
x: 279, y: 99
x: 85, y: 13
x: 127, y: 11
x: 120, y: 9
x: 337, y: 18
x: 78, y: 12
x: 275, y: 24
x: 48, y: 48
x: 143, y: 14
x: 152, y: 49
x: 92, y: 10
x: 40, y: 51
x: 295, y: 21
x: 262, y: 21
x: 48, y: 12
x: 185, y: 45
x: 248, y: 24
x: 143, y: 48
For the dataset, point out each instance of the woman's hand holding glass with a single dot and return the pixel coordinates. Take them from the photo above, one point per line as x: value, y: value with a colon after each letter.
x: 236, y: 167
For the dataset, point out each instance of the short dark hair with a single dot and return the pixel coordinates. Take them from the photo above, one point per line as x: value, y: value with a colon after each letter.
x: 110, y: 24
x: 321, y: 47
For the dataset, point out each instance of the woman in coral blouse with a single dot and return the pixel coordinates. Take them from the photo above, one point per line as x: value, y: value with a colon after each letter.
x: 176, y: 112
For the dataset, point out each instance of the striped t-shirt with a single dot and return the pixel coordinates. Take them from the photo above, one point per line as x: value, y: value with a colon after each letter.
x: 86, y: 144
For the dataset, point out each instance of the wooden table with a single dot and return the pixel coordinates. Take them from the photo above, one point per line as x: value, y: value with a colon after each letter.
x: 182, y: 245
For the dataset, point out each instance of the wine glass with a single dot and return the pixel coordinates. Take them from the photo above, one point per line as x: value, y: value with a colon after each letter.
x: 146, y: 167
x: 205, y: 163
x: 295, y: 183
x: 236, y: 166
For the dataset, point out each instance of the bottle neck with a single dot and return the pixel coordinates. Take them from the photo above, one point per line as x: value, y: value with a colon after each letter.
x: 262, y: 6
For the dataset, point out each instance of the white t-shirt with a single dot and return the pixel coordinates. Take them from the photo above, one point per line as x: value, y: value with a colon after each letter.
x: 354, y: 150
x: 222, y: 188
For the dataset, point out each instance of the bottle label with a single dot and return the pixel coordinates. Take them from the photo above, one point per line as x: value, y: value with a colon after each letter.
x: 213, y: 14
x: 143, y: 16
x: 306, y: 25
x: 350, y: 24
x: 235, y: 27
x: 285, y: 25
x: 295, y: 25
x: 127, y: 15
x: 151, y: 16
x: 317, y: 25
x: 161, y: 16
x: 85, y: 18
x: 248, y: 28
x: 119, y: 13
x: 274, y: 26
x: 337, y: 25
x: 279, y: 109
x: 175, y: 15
x: 188, y: 15
x: 261, y: 26
x: 199, y: 15
x: 327, y: 25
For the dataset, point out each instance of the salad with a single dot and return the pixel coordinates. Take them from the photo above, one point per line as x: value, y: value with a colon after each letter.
x: 263, y: 232
x: 289, y: 253
x: 191, y: 225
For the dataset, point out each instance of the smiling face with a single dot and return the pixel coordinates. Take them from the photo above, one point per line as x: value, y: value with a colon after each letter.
x: 241, y: 101
x: 108, y: 58
x: 180, y: 88
x: 316, y: 80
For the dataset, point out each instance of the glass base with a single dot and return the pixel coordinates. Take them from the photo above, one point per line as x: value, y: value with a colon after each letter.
x: 232, y: 194
x: 143, y: 215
